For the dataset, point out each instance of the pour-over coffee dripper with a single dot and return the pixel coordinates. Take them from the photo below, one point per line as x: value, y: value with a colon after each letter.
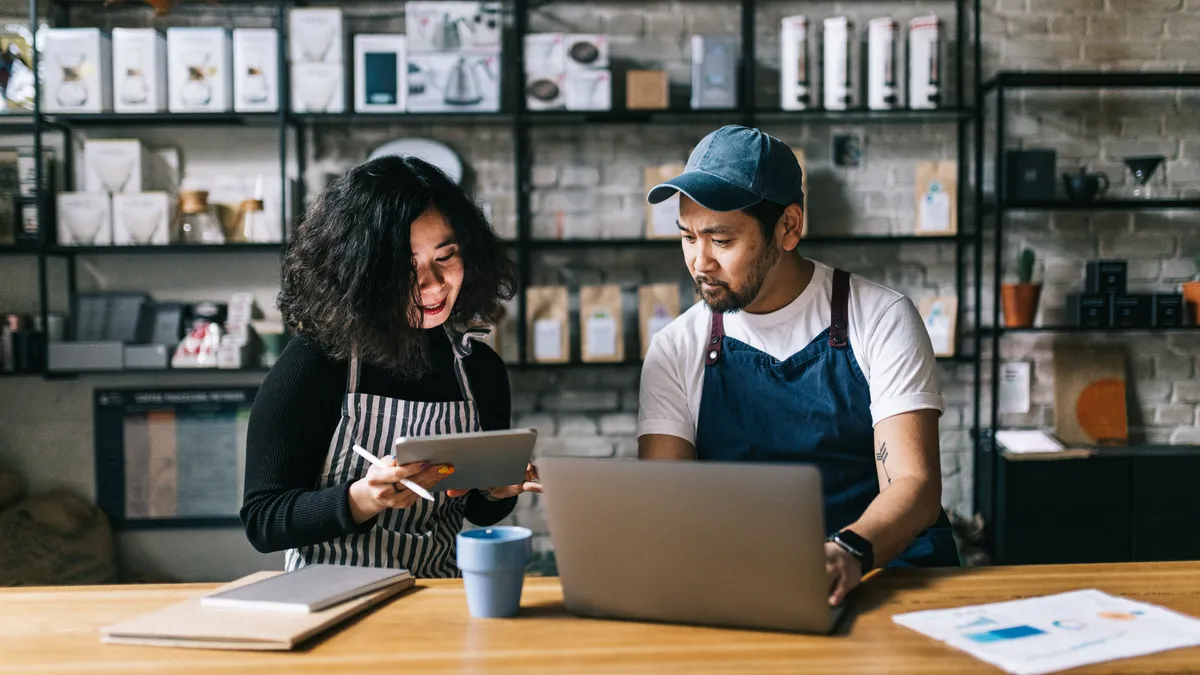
x: 72, y: 91
x: 83, y: 223
x: 1141, y: 177
x: 142, y: 222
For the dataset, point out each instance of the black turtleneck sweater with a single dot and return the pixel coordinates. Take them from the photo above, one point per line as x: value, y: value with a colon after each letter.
x: 295, y: 414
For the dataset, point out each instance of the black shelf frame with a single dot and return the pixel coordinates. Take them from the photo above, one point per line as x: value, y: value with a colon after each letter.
x: 964, y: 113
x: 987, y: 491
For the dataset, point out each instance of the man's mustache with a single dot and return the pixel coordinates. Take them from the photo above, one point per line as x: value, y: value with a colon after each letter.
x: 710, y: 282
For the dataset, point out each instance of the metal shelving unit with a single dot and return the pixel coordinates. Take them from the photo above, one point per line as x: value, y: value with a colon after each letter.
x: 988, y: 493
x: 962, y: 113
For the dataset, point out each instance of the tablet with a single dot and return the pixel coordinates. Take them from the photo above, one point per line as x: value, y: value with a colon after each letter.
x: 481, y: 459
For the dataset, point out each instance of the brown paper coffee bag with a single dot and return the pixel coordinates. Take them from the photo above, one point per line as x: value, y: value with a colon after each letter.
x: 547, y: 323
x: 658, y: 305
x: 602, y: 337
x: 937, y: 198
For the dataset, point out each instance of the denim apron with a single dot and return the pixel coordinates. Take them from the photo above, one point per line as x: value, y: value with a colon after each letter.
x: 813, y: 407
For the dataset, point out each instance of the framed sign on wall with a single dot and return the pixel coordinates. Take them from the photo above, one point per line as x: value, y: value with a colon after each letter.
x: 171, y: 457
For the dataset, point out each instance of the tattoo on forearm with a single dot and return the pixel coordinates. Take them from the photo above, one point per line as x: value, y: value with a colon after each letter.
x: 882, y: 457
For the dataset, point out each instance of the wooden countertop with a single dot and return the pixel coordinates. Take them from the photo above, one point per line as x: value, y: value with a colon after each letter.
x: 428, y: 631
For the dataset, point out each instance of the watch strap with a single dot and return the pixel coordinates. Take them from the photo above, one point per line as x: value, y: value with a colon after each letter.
x: 857, y: 546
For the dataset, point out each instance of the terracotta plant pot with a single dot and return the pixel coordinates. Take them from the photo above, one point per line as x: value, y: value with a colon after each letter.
x: 1020, y: 304
x: 1191, y: 298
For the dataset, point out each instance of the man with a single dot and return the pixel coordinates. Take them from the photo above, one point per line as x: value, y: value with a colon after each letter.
x: 788, y: 360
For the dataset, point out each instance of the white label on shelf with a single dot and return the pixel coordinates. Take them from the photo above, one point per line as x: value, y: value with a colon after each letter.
x: 1014, y: 387
x: 665, y: 215
x: 547, y: 339
x: 601, y: 335
x: 935, y: 213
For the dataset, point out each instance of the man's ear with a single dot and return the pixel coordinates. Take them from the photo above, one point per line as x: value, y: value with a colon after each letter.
x: 791, y: 227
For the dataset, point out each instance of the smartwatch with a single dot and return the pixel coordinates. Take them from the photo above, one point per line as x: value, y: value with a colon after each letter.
x: 856, y: 546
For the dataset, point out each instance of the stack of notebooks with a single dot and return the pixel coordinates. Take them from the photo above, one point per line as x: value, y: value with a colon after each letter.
x: 264, y: 611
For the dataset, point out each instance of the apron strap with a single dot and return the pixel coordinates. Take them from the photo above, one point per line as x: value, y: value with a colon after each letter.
x: 352, y: 374
x: 712, y: 350
x: 839, y: 311
x: 461, y: 346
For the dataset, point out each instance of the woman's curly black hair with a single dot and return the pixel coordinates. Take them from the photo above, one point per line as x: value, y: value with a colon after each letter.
x: 349, y: 281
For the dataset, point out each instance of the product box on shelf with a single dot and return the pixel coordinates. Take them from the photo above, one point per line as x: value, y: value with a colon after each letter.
x: 646, y: 90
x: 453, y: 27
x: 1090, y: 310
x: 837, y: 76
x: 380, y: 73
x: 119, y: 165
x: 924, y: 63
x: 318, y: 87
x: 883, y: 92
x: 795, y: 88
x: 200, y: 77
x: 714, y: 72
x: 139, y: 68
x: 545, y: 53
x: 585, y: 51
x: 255, y: 70
x: 546, y: 91
x: 315, y: 35
x: 143, y: 218
x: 1106, y: 276
x: 1168, y: 310
x: 1132, y: 311
x: 453, y: 82
x: 591, y: 90
x: 76, y: 74
x: 84, y: 218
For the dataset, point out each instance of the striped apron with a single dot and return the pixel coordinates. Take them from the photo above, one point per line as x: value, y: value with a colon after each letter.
x: 421, y: 538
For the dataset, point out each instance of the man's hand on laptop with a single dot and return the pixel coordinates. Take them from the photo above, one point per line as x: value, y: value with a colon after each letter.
x: 845, y: 573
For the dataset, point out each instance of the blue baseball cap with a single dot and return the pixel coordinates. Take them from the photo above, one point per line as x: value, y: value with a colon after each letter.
x: 735, y: 167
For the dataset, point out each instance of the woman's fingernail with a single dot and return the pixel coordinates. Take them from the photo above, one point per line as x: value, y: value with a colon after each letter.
x: 424, y: 465
x: 446, y: 470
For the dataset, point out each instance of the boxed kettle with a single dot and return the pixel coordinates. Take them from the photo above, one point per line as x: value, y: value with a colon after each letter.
x: 453, y: 82
x: 199, y: 72
x: 75, y: 75
x: 139, y: 64
x: 452, y: 26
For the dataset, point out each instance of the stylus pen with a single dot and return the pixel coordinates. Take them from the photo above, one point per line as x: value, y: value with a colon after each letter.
x: 421, y: 492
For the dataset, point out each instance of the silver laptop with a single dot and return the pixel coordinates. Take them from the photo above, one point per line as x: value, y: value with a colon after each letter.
x: 722, y: 544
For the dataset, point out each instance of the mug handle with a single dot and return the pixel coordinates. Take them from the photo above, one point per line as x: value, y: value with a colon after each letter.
x: 1103, y: 178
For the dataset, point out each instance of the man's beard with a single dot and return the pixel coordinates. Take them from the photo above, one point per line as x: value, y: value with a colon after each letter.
x: 725, y: 299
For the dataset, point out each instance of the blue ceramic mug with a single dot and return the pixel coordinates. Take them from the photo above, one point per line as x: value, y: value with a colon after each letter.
x: 492, y: 561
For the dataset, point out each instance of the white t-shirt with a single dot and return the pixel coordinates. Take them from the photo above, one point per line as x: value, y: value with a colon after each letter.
x: 890, y: 343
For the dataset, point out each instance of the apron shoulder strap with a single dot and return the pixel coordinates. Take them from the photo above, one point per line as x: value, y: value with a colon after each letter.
x: 712, y: 350
x: 352, y: 373
x: 839, y: 315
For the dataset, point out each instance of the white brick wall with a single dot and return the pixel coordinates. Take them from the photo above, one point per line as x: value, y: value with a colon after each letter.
x: 588, y: 183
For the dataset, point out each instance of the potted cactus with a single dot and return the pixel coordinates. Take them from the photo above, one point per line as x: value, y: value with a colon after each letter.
x: 1191, y: 298
x: 1020, y: 300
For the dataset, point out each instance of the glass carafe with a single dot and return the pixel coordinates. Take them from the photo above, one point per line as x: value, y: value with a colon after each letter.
x: 251, y: 222
x: 255, y: 90
x: 197, y: 222
x: 197, y: 90
x: 134, y: 89
x: 72, y: 91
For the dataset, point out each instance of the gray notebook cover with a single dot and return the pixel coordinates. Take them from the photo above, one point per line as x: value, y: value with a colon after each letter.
x: 309, y: 589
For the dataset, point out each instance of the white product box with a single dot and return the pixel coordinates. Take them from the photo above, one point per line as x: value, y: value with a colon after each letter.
x: 143, y: 218
x: 453, y: 82
x: 139, y: 58
x: 714, y: 72
x: 255, y: 69
x: 591, y: 90
x: 76, y: 71
x: 546, y: 91
x: 115, y: 165
x: 318, y: 87
x: 200, y: 77
x: 380, y: 73
x: 836, y: 78
x: 882, y: 90
x: 315, y: 35
x: 84, y: 219
x: 585, y: 51
x: 545, y: 53
x: 795, y: 86
x: 924, y: 63
x: 441, y: 26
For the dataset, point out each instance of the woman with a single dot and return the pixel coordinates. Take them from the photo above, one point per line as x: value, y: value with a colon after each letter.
x: 384, y: 275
